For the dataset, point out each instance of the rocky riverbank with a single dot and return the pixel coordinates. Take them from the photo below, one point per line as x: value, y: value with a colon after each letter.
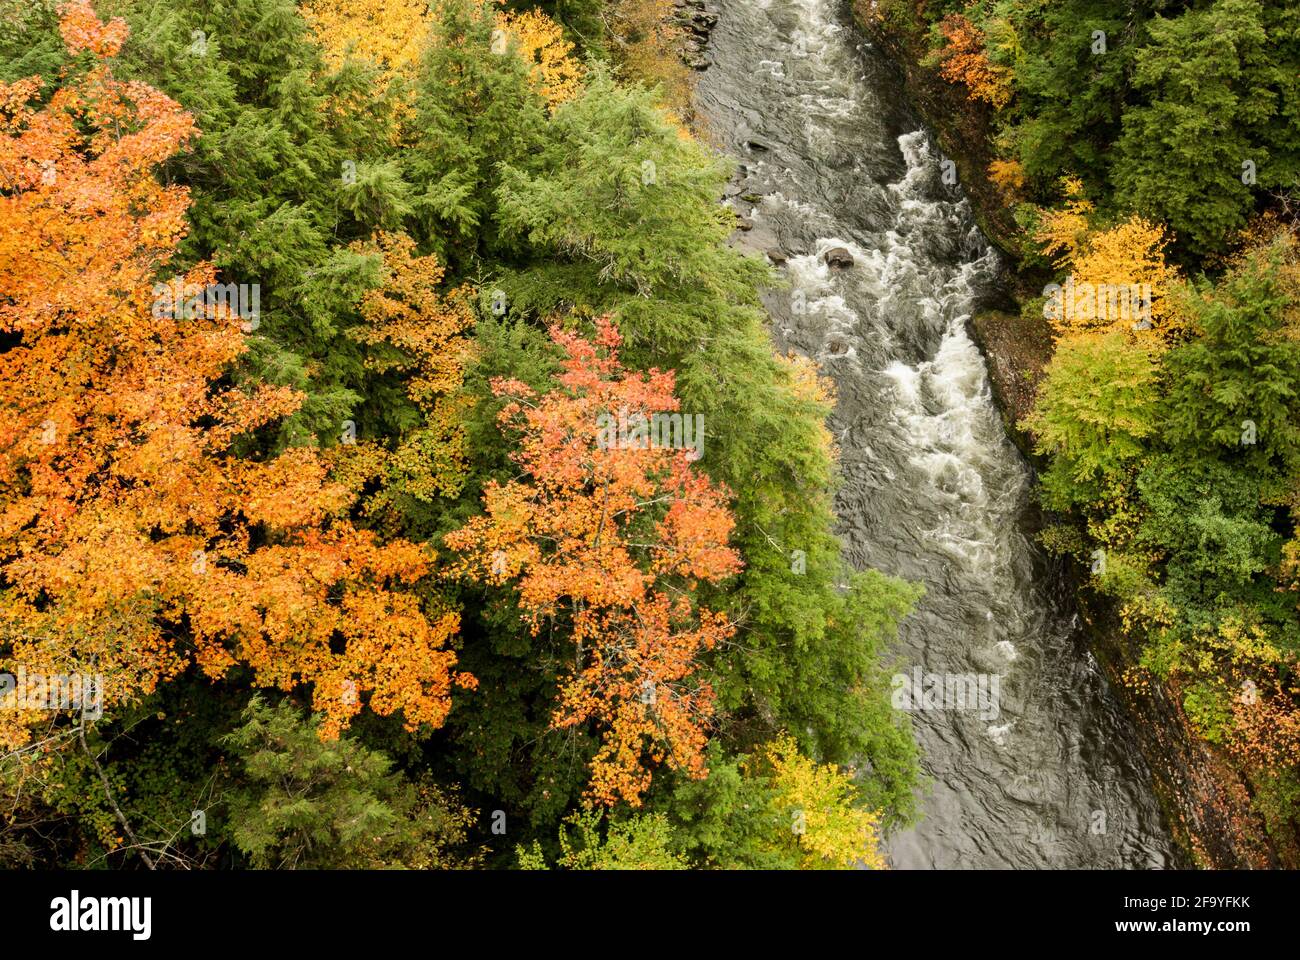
x: 696, y: 22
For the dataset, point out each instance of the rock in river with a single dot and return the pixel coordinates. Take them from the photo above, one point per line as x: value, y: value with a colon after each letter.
x: 838, y: 257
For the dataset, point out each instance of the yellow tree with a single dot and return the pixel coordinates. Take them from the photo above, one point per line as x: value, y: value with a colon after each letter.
x: 539, y: 40
x: 389, y: 33
x: 1008, y: 176
x: 1118, y: 280
x: 393, y: 34
x: 1061, y: 233
x: 816, y: 819
x: 421, y: 335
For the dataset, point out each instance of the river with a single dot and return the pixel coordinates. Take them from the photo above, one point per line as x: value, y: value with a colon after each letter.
x: 832, y: 156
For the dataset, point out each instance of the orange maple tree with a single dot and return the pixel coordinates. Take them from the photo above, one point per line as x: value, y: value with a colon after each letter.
x: 133, y: 542
x: 609, y: 541
x: 964, y: 59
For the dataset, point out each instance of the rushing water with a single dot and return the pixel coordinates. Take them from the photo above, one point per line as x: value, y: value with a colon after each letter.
x: 934, y: 491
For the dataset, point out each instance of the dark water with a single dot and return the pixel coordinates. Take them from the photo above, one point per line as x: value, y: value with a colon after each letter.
x: 934, y: 492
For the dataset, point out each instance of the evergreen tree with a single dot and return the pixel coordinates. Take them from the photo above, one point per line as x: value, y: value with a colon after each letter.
x: 475, y: 112
x: 1219, y: 85
x: 1234, y: 388
x: 306, y: 804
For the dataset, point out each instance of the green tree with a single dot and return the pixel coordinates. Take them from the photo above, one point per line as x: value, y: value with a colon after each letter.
x: 1072, y: 98
x: 475, y: 112
x: 1220, y: 83
x: 307, y: 804
x: 1205, y: 518
x: 1095, y: 415
x: 1233, y: 389
x: 638, y: 843
x: 289, y: 168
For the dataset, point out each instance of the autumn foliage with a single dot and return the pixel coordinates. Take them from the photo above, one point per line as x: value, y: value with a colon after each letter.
x: 420, y: 335
x: 313, y: 519
x: 389, y: 33
x: 964, y: 59
x: 540, y: 41
x: 133, y: 541
x: 393, y: 34
x: 610, y: 540
x: 817, y: 819
x: 648, y: 38
x: 1127, y: 258
x: 1266, y: 726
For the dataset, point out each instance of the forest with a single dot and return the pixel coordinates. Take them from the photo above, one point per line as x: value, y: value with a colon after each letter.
x: 398, y: 470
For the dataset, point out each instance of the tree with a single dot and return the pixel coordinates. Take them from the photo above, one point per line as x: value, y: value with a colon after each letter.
x: 1095, y: 414
x: 538, y: 39
x: 292, y: 164
x: 1235, y: 385
x: 1204, y: 517
x: 390, y: 33
x: 1063, y: 233
x: 394, y: 34
x: 1215, y: 119
x: 1119, y: 280
x: 776, y: 809
x: 301, y: 804
x: 639, y: 843
x: 963, y: 59
x: 477, y: 110
x: 647, y: 39
x: 613, y: 159
x: 583, y: 21
x: 815, y: 813
x: 133, y: 542
x: 621, y: 216
x: 606, y: 533
x: 309, y: 180
x: 1070, y: 96
x: 423, y: 337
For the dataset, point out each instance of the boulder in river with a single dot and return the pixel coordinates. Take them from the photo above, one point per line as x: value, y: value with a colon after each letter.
x: 838, y: 257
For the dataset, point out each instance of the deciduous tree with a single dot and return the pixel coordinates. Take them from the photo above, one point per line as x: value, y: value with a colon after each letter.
x: 540, y: 41
x: 607, y: 541
x: 964, y: 59
x: 420, y: 335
